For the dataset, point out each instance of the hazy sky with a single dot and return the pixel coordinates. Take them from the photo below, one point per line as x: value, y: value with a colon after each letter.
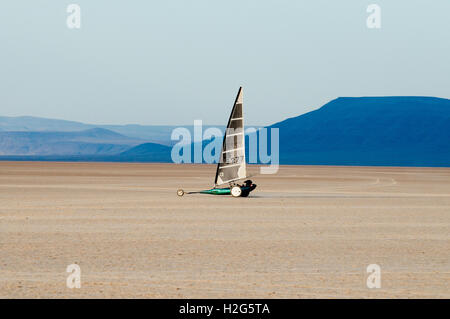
x: 170, y: 62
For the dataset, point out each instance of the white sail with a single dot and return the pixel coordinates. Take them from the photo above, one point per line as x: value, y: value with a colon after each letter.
x: 231, y: 166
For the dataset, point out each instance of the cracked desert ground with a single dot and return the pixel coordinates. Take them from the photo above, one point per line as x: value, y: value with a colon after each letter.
x: 306, y: 232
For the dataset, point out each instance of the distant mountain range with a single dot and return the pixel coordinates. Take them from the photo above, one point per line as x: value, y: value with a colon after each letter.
x: 393, y: 131
x: 154, y: 133
x: 87, y: 142
x: 390, y: 131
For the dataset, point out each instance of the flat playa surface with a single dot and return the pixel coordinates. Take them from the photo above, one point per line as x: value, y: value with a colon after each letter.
x: 307, y: 232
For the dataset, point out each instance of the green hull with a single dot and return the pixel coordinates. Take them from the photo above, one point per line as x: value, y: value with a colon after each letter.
x: 217, y: 191
x: 225, y: 191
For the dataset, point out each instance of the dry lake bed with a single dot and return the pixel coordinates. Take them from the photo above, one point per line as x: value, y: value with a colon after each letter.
x: 306, y: 232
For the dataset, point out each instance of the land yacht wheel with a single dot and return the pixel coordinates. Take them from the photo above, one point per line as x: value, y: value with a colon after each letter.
x: 180, y: 192
x: 236, y: 191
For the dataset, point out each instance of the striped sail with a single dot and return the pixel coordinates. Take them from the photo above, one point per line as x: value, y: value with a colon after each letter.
x: 231, y: 166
